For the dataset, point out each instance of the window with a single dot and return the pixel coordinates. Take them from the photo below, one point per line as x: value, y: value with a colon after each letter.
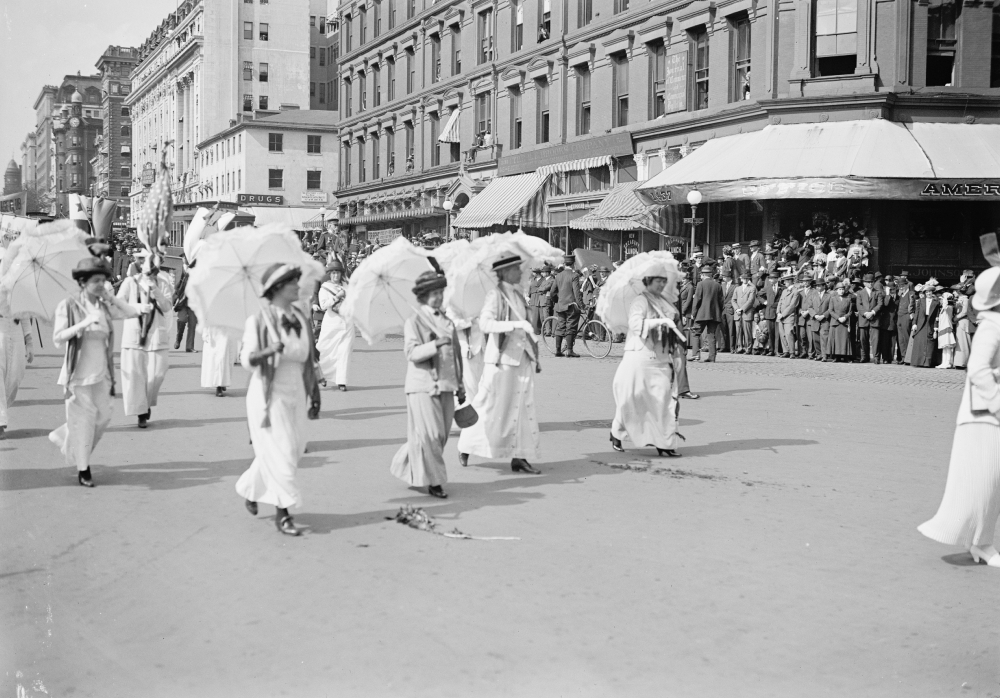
x: 390, y: 66
x: 435, y: 123
x: 126, y: 131
x: 275, y: 141
x: 484, y: 122
x: 312, y: 52
x: 657, y: 80
x: 125, y: 111
x: 262, y: 101
x: 995, y: 53
x: 74, y: 180
x: 411, y: 8
x: 347, y: 34
x: 739, y: 37
x: 583, y: 100
x: 321, y: 27
x: 621, y: 6
x: 392, y: 13
x: 515, y: 118
x: 376, y: 155
x: 619, y: 90
x: 409, y: 144
x: 348, y: 96
x: 517, y: 27
x: 125, y: 171
x: 262, y: 73
x: 456, y: 49
x: 699, y: 68
x: 390, y: 150
x: 247, y: 70
x: 411, y: 72
x: 263, y: 31
x: 312, y: 89
x: 362, y: 92
x: 248, y: 30
x: 377, y: 83
x: 544, y: 20
x: 312, y: 20
x: 485, y: 35
x: 314, y: 179
x: 322, y: 93
x: 376, y: 18
x: 126, y: 150
x: 584, y: 12
x: 124, y: 191
x: 313, y: 144
x: 347, y: 163
x: 542, y: 104
x: 836, y: 37
x: 322, y: 57
x: 275, y: 179
x: 331, y: 91
x: 435, y: 57
x: 247, y: 102
x: 362, y: 26
x: 941, y: 43
x: 361, y: 160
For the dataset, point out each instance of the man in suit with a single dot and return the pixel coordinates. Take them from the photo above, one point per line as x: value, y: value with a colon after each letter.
x: 685, y: 298
x: 906, y: 309
x: 707, y: 312
x: 741, y: 261
x: 817, y: 305
x: 744, y: 303
x: 185, y: 316
x: 787, y: 315
x: 802, y: 320
x: 566, y: 300
x: 729, y: 342
x: 767, y: 298
x: 757, y: 266
x: 728, y: 269
x: 887, y: 321
x: 869, y: 303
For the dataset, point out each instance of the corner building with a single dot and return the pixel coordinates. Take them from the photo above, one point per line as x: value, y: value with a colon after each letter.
x: 441, y: 101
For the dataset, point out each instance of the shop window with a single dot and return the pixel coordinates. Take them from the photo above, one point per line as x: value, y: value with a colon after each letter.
x: 698, y: 39
x: 619, y: 89
x: 583, y: 100
x: 515, y: 118
x: 657, y: 80
x: 941, y: 44
x: 739, y: 39
x: 542, y: 103
x: 836, y: 42
x: 517, y: 26
x: 600, y: 178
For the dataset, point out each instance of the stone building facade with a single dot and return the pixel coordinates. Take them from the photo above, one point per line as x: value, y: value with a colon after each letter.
x: 114, y: 153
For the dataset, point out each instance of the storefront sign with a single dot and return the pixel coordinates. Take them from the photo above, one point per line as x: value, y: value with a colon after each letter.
x: 631, y: 244
x: 14, y: 203
x: 675, y: 82
x: 313, y: 197
x: 615, y: 144
x: 148, y: 175
x: 260, y: 199
x: 384, y: 237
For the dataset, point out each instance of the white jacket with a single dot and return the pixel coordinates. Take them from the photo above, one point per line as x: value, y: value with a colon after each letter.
x: 981, y: 397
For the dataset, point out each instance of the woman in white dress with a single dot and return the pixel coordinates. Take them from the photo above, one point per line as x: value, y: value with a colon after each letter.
x: 219, y: 352
x: 645, y: 384
x: 278, y: 350
x: 337, y: 333
x: 84, y: 327
x: 16, y: 352
x: 971, y: 503
x: 945, y: 332
x: 433, y: 380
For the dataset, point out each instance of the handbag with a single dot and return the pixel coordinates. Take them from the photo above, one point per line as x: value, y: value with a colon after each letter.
x: 466, y: 415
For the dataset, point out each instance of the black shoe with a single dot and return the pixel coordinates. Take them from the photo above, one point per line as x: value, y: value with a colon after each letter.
x: 177, y: 346
x: 437, y: 491
x: 251, y: 507
x: 688, y: 395
x: 142, y: 421
x: 83, y: 477
x: 342, y: 388
x: 572, y: 355
x: 559, y: 343
x: 219, y: 390
x: 617, y: 444
x: 463, y: 459
x: 286, y: 525
x: 519, y: 465
x: 668, y: 452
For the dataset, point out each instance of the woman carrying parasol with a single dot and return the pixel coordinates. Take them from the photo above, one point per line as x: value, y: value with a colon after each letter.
x: 336, y: 333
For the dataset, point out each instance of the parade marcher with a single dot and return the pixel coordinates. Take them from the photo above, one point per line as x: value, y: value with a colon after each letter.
x: 922, y: 335
x: 945, y: 332
x: 146, y: 338
x: 744, y: 301
x: 567, y: 301
x: 840, y: 309
x: 505, y: 403
x: 336, y: 335
x: 185, y: 316
x: 787, y: 315
x: 970, y: 506
x: 84, y: 325
x: 706, y: 311
x: 283, y: 392
x: 433, y: 383
x: 645, y: 385
x: 870, y: 302
x: 220, y: 347
x: 17, y: 349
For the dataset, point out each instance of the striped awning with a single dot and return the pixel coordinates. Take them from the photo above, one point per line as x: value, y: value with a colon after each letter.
x: 620, y: 210
x: 450, y: 133
x: 573, y: 165
x: 399, y: 215
x: 515, y: 200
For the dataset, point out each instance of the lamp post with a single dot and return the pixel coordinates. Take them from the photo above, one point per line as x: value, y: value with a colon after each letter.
x: 448, y: 205
x: 694, y: 198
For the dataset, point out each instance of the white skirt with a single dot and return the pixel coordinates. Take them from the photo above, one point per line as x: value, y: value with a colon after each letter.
x: 12, y: 364
x: 218, y: 356
x: 507, y: 426
x: 971, y: 503
x: 334, y: 344
x: 645, y: 391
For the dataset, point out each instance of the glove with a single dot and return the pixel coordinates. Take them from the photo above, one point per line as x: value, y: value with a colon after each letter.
x: 525, y: 325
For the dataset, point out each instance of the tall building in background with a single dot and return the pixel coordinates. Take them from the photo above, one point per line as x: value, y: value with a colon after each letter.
x: 324, y: 55
x: 114, y: 153
x: 12, y: 178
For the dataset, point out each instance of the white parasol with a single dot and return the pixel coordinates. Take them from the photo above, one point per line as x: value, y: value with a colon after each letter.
x: 624, y: 285
x: 205, y: 222
x: 37, y: 271
x: 224, y: 287
x: 450, y: 252
x: 380, y: 292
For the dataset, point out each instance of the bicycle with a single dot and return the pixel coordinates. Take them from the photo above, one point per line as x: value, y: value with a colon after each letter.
x: 596, y: 337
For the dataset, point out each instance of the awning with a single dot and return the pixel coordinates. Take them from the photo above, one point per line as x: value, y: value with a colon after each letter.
x: 450, y: 133
x: 620, y: 210
x: 294, y: 217
x: 398, y: 215
x: 872, y: 159
x: 574, y: 165
x: 516, y: 200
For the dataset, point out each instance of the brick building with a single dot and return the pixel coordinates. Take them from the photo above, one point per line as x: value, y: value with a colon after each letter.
x: 114, y: 153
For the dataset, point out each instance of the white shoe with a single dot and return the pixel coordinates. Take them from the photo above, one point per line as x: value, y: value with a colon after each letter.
x: 989, y: 555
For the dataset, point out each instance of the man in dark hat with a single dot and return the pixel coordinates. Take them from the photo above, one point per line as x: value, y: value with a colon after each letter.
x: 729, y: 286
x: 744, y: 302
x: 567, y: 301
x: 186, y: 319
x: 869, y: 304
x: 767, y: 299
x: 707, y: 313
x: 742, y: 260
x: 684, y: 300
x: 541, y: 285
x: 888, y: 318
x: 802, y: 321
x: 905, y: 312
x: 757, y: 265
x: 787, y: 315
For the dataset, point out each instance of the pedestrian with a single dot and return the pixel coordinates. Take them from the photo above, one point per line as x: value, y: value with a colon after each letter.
x: 744, y: 301
x: 963, y: 328
x: 336, y: 335
x: 278, y: 350
x: 922, y: 335
x: 870, y: 303
x: 17, y: 350
x: 433, y: 383
x: 186, y: 319
x: 945, y: 332
x: 567, y: 301
x: 840, y: 308
x: 645, y: 385
x: 146, y: 338
x: 84, y: 329
x: 789, y: 303
x: 505, y: 403
x: 970, y: 506
x: 707, y: 313
x: 538, y: 293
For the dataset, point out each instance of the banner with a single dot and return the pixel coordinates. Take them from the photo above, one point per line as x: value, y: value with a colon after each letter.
x: 12, y: 227
x: 79, y: 211
x: 104, y: 217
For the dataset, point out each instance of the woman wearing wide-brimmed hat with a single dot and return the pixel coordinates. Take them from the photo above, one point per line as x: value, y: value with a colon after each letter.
x: 923, y: 334
x: 433, y: 380
x: 283, y: 392
x: 337, y: 333
x: 970, y: 507
x: 945, y: 331
x: 84, y: 328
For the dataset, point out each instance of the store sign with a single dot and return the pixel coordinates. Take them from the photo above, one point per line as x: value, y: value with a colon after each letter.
x: 260, y: 199
x: 962, y: 189
x: 13, y: 203
x: 675, y: 82
x: 384, y: 237
x: 313, y: 197
x: 148, y: 175
x: 631, y: 245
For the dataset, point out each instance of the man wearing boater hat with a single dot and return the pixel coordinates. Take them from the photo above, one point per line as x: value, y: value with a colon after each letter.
x: 507, y: 425
x: 567, y: 300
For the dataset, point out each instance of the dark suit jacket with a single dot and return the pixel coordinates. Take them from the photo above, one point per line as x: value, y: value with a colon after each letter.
x: 708, y: 301
x: 923, y: 318
x: 180, y: 291
x: 727, y: 298
x: 817, y: 305
x: 541, y: 297
x: 767, y: 297
x: 889, y: 316
x: 869, y: 301
x: 566, y: 291
x: 686, y: 298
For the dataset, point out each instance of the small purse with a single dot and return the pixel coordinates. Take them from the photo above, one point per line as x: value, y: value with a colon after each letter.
x: 466, y: 415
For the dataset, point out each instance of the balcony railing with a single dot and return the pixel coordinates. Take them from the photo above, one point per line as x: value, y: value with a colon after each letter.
x: 483, y: 153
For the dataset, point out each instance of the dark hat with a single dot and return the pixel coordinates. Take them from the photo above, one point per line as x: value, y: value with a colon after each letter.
x: 605, y: 269
x: 754, y: 243
x: 878, y: 275
x: 277, y: 274
x: 89, y: 266
x: 768, y: 250
x: 830, y: 279
x: 707, y: 269
x: 868, y: 278
x: 569, y: 259
x: 774, y: 274
x: 807, y: 280
x: 335, y: 265
x: 427, y: 282
x: 904, y: 274
x: 889, y: 277
x: 697, y: 250
x: 508, y: 261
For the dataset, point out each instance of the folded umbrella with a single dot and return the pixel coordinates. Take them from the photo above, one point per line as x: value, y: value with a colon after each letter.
x: 37, y: 271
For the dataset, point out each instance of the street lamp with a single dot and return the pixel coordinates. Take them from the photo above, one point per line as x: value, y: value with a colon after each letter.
x: 447, y: 206
x: 694, y: 198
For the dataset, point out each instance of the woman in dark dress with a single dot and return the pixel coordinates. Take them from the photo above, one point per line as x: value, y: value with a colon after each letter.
x: 923, y: 339
x: 840, y: 324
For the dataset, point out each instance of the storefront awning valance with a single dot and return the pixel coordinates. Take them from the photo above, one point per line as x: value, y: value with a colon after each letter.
x: 516, y: 200
x: 450, y: 133
x: 294, y: 217
x: 620, y: 210
x: 398, y: 215
x: 574, y: 165
x: 872, y: 159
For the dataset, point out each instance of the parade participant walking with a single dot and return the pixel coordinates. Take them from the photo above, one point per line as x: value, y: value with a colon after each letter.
x: 278, y: 350
x: 337, y: 333
x: 185, y: 316
x: 645, y: 385
x: 706, y: 311
x: 969, y: 509
x: 433, y: 382
x: 146, y: 338
x: 472, y: 342
x: 219, y: 352
x: 84, y: 327
x: 507, y: 426
x: 922, y: 336
x: 16, y: 351
x: 567, y: 301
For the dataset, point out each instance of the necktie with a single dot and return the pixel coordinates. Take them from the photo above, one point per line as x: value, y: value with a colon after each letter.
x: 291, y: 323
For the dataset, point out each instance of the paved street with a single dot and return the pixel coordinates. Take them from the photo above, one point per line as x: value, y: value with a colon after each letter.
x: 778, y: 557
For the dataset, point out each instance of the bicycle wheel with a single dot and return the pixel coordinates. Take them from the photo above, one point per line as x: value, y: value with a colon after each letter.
x: 597, y: 339
x: 549, y: 333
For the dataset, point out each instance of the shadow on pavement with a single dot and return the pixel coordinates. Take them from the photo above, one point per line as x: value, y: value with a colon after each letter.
x: 720, y: 447
x: 357, y: 413
x: 27, y: 433
x: 230, y: 392
x: 359, y: 388
x: 731, y: 393
x: 348, y: 444
x: 962, y: 559
x: 161, y: 424
x: 35, y: 403
x: 586, y: 425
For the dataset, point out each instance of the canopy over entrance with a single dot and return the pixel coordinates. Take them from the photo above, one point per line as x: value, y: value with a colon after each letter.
x: 873, y: 159
x: 620, y: 210
x: 516, y: 200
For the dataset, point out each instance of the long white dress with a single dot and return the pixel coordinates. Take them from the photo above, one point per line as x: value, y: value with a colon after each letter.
x: 645, y: 384
x: 219, y: 351
x: 970, y: 507
x: 336, y: 335
x: 507, y: 426
x: 270, y: 479
x: 472, y: 342
x: 144, y: 366
x: 13, y: 361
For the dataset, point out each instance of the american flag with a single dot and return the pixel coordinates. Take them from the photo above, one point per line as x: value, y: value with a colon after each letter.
x: 154, y: 218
